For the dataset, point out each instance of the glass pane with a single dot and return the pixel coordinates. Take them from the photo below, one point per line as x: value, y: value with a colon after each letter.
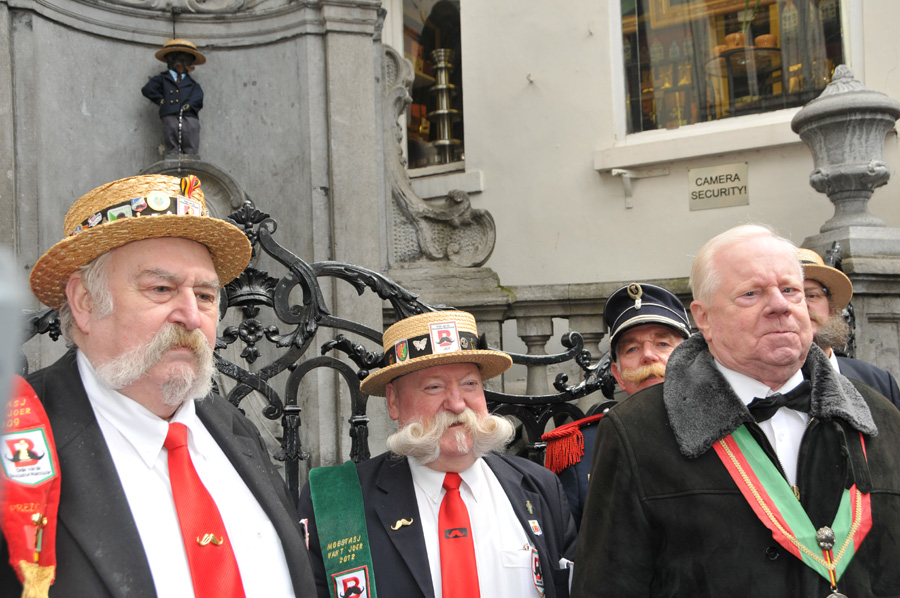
x: 431, y: 41
x: 689, y: 61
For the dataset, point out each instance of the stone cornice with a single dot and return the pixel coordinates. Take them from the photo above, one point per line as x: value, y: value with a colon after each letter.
x: 218, y: 24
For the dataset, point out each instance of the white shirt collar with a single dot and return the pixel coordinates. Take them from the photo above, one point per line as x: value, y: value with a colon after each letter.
x: 747, y: 389
x: 431, y: 482
x: 834, y: 362
x: 142, y: 428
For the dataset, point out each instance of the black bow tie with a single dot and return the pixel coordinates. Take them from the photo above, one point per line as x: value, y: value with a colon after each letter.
x: 797, y: 399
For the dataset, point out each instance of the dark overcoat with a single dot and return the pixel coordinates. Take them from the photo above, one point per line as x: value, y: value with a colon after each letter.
x: 879, y: 379
x: 664, y: 518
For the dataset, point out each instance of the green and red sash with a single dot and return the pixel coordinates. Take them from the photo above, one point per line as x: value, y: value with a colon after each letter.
x: 774, y: 502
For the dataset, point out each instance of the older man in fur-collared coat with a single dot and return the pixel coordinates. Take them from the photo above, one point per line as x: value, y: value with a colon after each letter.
x: 699, y: 489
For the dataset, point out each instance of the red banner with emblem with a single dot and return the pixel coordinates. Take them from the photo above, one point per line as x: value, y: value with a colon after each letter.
x: 29, y: 495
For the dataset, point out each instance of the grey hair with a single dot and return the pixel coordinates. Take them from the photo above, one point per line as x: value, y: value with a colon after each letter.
x: 705, y: 278
x: 95, y: 278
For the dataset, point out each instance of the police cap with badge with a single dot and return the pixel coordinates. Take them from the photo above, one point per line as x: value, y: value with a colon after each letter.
x: 636, y: 304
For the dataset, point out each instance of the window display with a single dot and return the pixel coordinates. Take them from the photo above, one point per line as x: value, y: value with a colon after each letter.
x: 434, y: 120
x: 690, y: 61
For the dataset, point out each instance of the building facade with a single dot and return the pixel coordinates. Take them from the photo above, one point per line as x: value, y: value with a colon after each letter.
x: 542, y: 158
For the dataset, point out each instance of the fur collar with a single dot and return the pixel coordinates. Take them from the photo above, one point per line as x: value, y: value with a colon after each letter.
x: 702, y: 407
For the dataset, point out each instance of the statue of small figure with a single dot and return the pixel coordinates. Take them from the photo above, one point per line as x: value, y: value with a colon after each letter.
x: 179, y: 97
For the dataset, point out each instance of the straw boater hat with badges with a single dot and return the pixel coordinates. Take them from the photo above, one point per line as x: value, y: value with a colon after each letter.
x: 134, y: 209
x: 836, y: 283
x: 180, y: 45
x: 637, y: 304
x: 431, y: 339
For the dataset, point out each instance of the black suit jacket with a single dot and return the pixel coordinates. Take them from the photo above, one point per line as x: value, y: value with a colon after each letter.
x: 170, y: 96
x: 879, y: 379
x: 400, y: 558
x: 98, y: 548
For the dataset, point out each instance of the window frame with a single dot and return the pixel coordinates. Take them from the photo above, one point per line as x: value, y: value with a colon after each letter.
x: 754, y: 131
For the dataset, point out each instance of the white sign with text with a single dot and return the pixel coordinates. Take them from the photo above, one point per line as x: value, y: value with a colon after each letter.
x: 719, y: 186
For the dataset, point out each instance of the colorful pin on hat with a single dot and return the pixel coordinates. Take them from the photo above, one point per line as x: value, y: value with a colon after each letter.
x: 431, y: 339
x: 99, y: 222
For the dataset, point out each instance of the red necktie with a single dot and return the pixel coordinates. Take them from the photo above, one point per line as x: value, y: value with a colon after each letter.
x: 214, y: 570
x: 459, y: 574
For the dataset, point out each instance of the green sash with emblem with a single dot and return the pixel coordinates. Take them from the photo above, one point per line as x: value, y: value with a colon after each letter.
x: 341, y: 525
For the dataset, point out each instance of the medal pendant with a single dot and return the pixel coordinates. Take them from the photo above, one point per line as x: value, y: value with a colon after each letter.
x: 836, y: 595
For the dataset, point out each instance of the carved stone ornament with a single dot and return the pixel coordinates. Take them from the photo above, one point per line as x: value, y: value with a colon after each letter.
x: 444, y: 230
x: 845, y: 129
x: 206, y: 6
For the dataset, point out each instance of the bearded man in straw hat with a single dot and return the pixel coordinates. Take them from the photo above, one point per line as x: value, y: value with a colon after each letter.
x: 441, y: 513
x: 828, y: 293
x: 165, y: 489
x: 179, y: 97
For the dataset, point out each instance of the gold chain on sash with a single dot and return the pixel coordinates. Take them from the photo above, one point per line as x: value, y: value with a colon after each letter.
x: 857, y: 517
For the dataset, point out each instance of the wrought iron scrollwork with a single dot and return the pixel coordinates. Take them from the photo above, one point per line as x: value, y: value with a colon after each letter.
x: 44, y: 321
x: 535, y: 412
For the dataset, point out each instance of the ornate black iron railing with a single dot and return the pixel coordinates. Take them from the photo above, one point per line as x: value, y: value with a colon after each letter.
x: 298, y: 324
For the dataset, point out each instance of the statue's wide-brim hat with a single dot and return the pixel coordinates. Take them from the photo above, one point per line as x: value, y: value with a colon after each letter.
x: 134, y: 209
x: 432, y: 339
x: 180, y: 45
x: 839, y: 287
x: 636, y: 304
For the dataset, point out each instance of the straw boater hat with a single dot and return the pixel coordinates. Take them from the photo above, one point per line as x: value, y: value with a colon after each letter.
x: 134, y: 209
x: 636, y: 304
x: 839, y: 287
x: 180, y: 45
x: 430, y: 339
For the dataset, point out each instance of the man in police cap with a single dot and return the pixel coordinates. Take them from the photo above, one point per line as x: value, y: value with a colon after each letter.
x: 442, y: 512
x: 828, y: 292
x: 645, y: 322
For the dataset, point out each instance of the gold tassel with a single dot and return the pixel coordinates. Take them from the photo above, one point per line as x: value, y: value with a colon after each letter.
x: 37, y: 579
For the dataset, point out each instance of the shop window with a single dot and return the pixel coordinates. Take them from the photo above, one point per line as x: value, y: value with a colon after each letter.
x: 690, y: 61
x: 434, y: 123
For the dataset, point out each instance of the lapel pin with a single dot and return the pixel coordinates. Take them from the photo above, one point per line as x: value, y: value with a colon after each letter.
x: 529, y: 507
x: 400, y: 523
x: 210, y: 539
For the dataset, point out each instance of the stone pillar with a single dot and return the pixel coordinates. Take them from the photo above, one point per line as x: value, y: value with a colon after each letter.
x: 535, y: 332
x: 7, y: 149
x: 354, y: 158
x: 845, y: 129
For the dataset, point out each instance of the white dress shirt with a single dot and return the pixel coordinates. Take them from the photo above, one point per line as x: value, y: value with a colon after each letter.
x: 135, y: 439
x: 502, y: 549
x: 785, y: 429
x: 833, y: 360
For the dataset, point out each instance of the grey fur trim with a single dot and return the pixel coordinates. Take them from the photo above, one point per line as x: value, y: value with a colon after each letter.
x: 702, y: 407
